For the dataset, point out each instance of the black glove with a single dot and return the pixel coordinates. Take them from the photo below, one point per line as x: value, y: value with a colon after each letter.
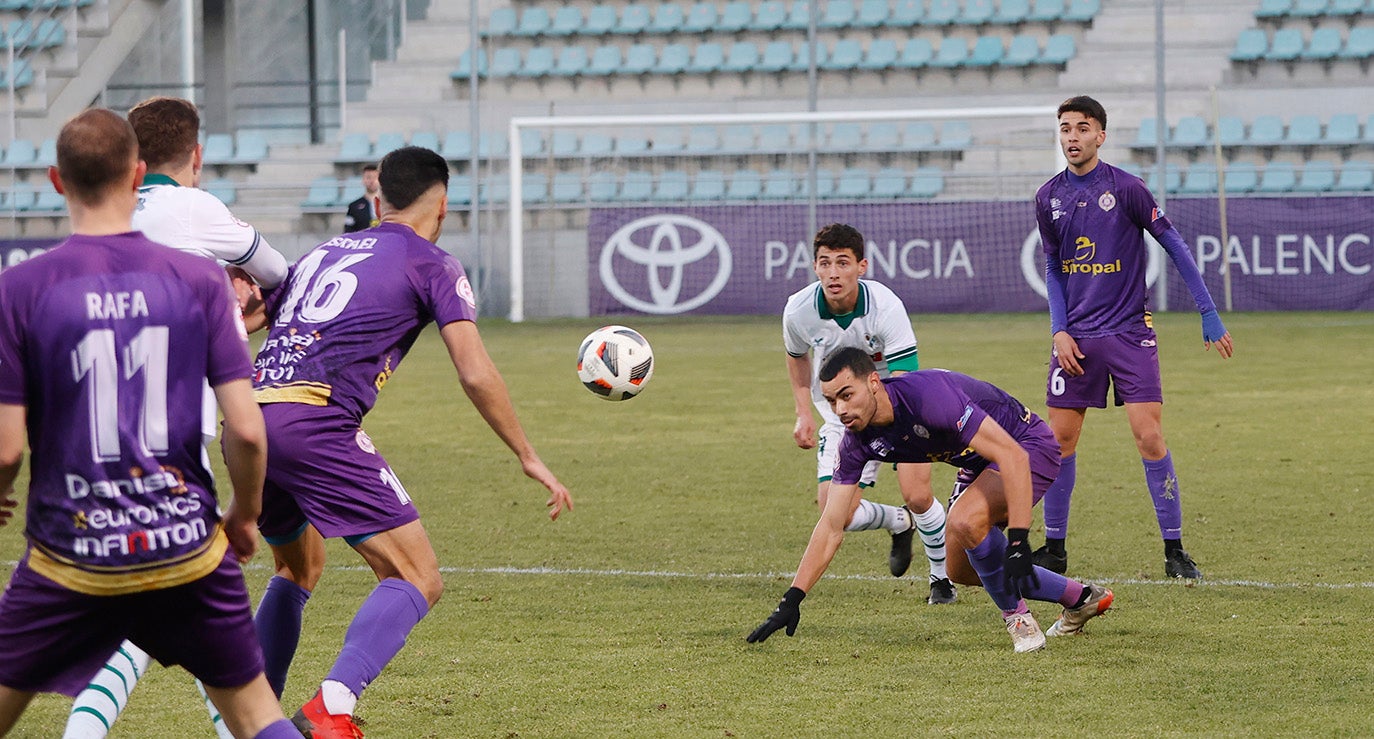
x: 786, y: 614
x: 1018, y: 566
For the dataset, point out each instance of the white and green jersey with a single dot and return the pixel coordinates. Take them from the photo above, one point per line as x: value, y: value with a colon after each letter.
x: 192, y: 220
x: 879, y: 325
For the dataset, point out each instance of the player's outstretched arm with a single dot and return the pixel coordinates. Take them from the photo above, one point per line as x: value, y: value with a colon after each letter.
x: 485, y: 387
x: 799, y: 375
x: 245, y: 455
x: 13, y: 420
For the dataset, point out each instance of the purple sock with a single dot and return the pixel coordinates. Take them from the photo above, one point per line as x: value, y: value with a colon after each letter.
x: 986, y: 559
x: 278, y: 622
x: 1163, y: 484
x: 282, y: 729
x: 378, y: 632
x: 1056, y: 500
x: 1054, y: 588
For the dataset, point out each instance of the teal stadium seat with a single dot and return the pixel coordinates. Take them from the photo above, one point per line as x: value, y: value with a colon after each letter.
x: 919, y: 136
x: 605, y: 61
x: 745, y: 184
x: 987, y: 52
x: 457, y: 145
x: 505, y: 62
x: 1023, y: 50
x: 1308, y: 8
x: 1304, y: 130
x: 24, y: 34
x: 534, y: 21
x: 20, y: 77
x: 503, y: 22
x: 1317, y: 177
x: 47, y: 153
x: 603, y: 186
x: 494, y: 190
x: 1278, y: 177
x: 977, y: 12
x: 532, y: 142
x: 669, y: 141
x: 735, y: 17
x: 743, y: 57
x: 775, y: 138
x: 323, y: 193
x: 1355, y: 177
x: 955, y: 136
x: 20, y: 153
x: 777, y: 57
x: 1251, y: 45
x: 927, y: 182
x: 780, y: 184
x: 1011, y: 12
x: 703, y: 18
x: 708, y: 186
x: 634, y: 19
x: 567, y: 21
x: 1286, y: 45
x: 943, y: 12
x: 250, y: 148
x: 707, y: 58
x: 492, y: 144
x: 386, y: 143
x: 883, y: 136
x: 847, y: 54
x: 224, y: 190
x: 1360, y: 43
x: 953, y: 53
x: 853, y: 184
x: 737, y: 140
x: 1241, y: 178
x: 1269, y: 9
x: 798, y: 16
x: 1345, y: 8
x: 1343, y: 130
x: 1146, y: 134
x: 906, y: 14
x: 630, y: 145
x: 534, y: 188
x: 1325, y: 44
x: 1082, y: 11
x: 22, y: 198
x: 565, y: 143
x: 459, y: 192
x: 825, y: 184
x: 837, y: 14
x: 801, y: 59
x: 1059, y: 49
x: 668, y: 18
x: 596, y: 144
x: 1199, y: 179
x: 464, y: 70
x: 673, y: 59
x: 702, y: 140
x: 1191, y: 132
x: 639, y: 59
x: 572, y: 61
x: 218, y: 149
x: 769, y: 16
x: 1173, y: 181
x: 673, y: 186
x: 1231, y: 131
x: 355, y: 147
x: 47, y: 200
x: 567, y: 188
x: 889, y: 183
x: 872, y: 14
x: 600, y: 20
x: 1266, y: 130
x: 845, y: 137
x: 881, y: 54
x: 1047, y: 11
x: 538, y: 62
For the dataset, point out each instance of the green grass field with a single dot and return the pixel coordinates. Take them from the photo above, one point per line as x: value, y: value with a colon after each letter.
x: 627, y: 616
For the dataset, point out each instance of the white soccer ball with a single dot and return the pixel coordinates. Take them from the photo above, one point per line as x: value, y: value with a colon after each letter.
x: 615, y: 362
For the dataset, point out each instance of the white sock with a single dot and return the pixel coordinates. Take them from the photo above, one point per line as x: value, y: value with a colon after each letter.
x: 337, y: 697
x: 930, y: 526
x: 94, y: 711
x: 870, y: 516
x: 221, y: 730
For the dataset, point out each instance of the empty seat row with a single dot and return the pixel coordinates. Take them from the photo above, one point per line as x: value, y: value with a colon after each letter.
x: 774, y: 15
x: 1288, y: 44
x: 25, y: 154
x: 1242, y: 178
x: 743, y: 57
x: 222, y: 148
x: 23, y: 34
x: 358, y: 148
x: 22, y: 5
x: 1266, y: 130
x: 1274, y: 9
x: 43, y: 200
x: 21, y: 76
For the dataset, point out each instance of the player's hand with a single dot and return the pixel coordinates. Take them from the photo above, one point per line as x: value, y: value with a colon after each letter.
x: 1214, y: 332
x: 804, y: 433
x: 559, y: 497
x: 7, y: 505
x: 787, y: 614
x: 1066, y: 349
x: 1017, y: 566
x: 242, y: 531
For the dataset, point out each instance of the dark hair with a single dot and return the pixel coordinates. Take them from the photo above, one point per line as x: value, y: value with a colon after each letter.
x: 838, y: 236
x: 1085, y: 105
x: 167, y: 129
x: 409, y: 172
x: 852, y: 358
x: 96, y: 150
x: 369, y: 168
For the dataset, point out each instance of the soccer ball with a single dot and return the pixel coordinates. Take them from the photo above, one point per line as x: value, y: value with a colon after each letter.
x: 615, y: 362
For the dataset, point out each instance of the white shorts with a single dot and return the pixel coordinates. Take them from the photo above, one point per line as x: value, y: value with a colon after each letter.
x: 828, y: 453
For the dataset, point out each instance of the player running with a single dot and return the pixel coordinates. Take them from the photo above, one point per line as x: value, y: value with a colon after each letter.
x: 840, y: 310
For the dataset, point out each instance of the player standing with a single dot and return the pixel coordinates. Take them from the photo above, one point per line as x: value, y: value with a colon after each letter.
x: 1092, y: 218
x: 105, y: 343
x: 340, y: 326
x: 1011, y: 456
x: 840, y: 310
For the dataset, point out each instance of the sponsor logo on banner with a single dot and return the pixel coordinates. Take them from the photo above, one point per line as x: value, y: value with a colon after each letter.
x: 660, y: 249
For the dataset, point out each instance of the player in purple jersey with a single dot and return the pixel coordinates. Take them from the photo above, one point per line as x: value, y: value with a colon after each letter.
x: 1092, y: 218
x: 1011, y: 455
x: 340, y: 325
x: 105, y: 342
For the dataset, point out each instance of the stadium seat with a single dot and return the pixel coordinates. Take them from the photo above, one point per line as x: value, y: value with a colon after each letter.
x: 1231, y: 131
x: 916, y: 53
x: 702, y: 18
x: 567, y: 21
x: 777, y: 57
x: 630, y: 145
x: 1011, y: 12
x: 492, y: 144
x: 1343, y: 130
x: 1241, y: 177
x: 743, y: 57
x: 324, y: 192
x: 881, y: 54
x: 927, y: 182
x: 668, y: 18
x: 1278, y: 177
x: 565, y: 143
x: 600, y: 20
x: 1251, y: 45
x: 386, y: 143
x: 1317, y: 177
x: 459, y: 192
x: 567, y: 187
x: 223, y: 190
x: 505, y: 62
x: 1273, y: 8
x: 1286, y: 45
x: 708, y: 57
x: 572, y: 61
x: 889, y: 183
x: 977, y: 12
x: 872, y: 14
x: 673, y: 59
x: 735, y: 17
x: 1266, y: 130
x: 457, y: 145
x: 845, y: 137
x: 1355, y: 177
x: 1022, y: 51
x: 837, y: 14
x: 1199, y: 179
x: 673, y: 185
x: 825, y: 184
x: 769, y: 16
x: 20, y: 153
x: 1191, y: 131
x: 634, y: 19
x: 47, y: 153
x: 250, y: 148
x: 953, y: 53
x: 1047, y: 11
x: 47, y: 200
x: 1360, y: 43
x: 605, y: 61
x: 534, y: 21
x: 22, y: 198
x: 1173, y: 181
x: 1147, y: 133
x: 538, y: 62
x: 1304, y: 130
x: 495, y: 190
x: 1308, y: 8
x: 1082, y: 11
x: 503, y: 22
x: 464, y: 69
x: 708, y: 186
x: 745, y: 184
x: 355, y: 147
x: 1346, y: 8
x: 737, y: 140
x: 775, y: 138
x: 942, y: 12
x: 883, y: 136
x: 47, y: 34
x: 669, y: 141
x: 798, y: 16
x: 906, y: 14
x: 639, y: 59
x: 919, y: 136
x: 853, y: 184
x: 702, y: 140
x: 780, y: 184
x: 955, y: 136
x: 218, y: 149
x: 1325, y: 44
x: 1059, y: 49
x: 596, y: 144
x: 534, y: 188
x: 602, y: 186
x: 847, y: 54
x: 987, y: 52
x: 533, y: 142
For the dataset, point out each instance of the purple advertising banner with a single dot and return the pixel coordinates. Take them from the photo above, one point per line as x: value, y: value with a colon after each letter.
x: 14, y: 251
x: 965, y: 257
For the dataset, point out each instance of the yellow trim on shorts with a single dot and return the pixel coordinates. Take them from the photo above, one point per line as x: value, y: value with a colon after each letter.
x: 190, y: 568
x: 307, y: 393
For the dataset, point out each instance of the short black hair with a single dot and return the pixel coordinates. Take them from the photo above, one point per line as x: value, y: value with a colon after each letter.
x: 369, y: 168
x: 409, y: 172
x: 852, y: 358
x: 1085, y: 105
x: 838, y: 236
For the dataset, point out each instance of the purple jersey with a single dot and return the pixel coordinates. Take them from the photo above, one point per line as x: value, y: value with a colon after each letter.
x: 108, y: 341
x: 349, y: 311
x: 936, y: 414
x: 1092, y: 228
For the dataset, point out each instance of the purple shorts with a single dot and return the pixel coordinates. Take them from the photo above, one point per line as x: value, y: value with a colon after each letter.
x: 54, y: 640
x: 323, y: 469
x: 1043, y: 450
x: 1130, y: 360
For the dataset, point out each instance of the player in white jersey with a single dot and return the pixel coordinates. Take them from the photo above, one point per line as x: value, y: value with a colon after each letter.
x: 841, y: 310
x: 173, y: 210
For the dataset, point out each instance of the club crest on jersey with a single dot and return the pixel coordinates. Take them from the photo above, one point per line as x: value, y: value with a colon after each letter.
x: 968, y: 413
x: 365, y: 442
x: 1107, y: 201
x: 464, y: 290
x: 921, y: 431
x: 880, y: 447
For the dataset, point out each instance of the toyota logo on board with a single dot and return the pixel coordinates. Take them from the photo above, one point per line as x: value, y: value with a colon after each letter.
x: 669, y: 263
